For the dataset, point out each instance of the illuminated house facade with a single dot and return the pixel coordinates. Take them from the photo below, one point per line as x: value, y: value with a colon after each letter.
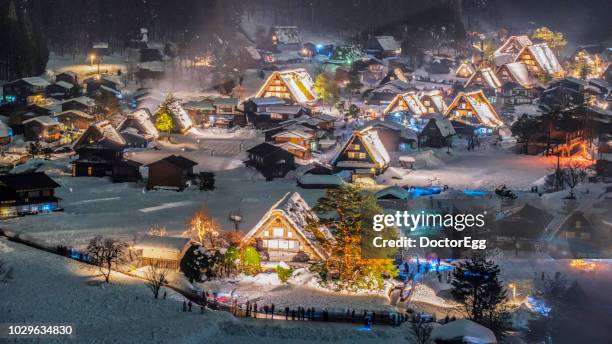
x: 281, y: 234
x: 27, y: 193
x: 484, y: 77
x: 464, y: 70
x: 434, y: 102
x: 363, y: 154
x: 473, y: 108
x: 295, y: 85
x: 540, y: 61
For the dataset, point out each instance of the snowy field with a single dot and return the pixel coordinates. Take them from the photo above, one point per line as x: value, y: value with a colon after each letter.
x: 95, y: 206
x: 55, y: 290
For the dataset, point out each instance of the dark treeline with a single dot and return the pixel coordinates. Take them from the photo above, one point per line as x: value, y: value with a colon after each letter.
x: 23, y: 46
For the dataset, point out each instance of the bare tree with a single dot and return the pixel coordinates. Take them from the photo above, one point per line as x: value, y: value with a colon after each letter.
x: 421, y: 331
x: 6, y: 272
x: 105, y: 252
x: 156, y: 278
x: 573, y: 174
x: 204, y: 229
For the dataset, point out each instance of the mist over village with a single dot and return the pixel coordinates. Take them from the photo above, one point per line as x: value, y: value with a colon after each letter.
x: 289, y: 171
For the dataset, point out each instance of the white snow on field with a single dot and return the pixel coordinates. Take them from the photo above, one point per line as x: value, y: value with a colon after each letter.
x: 164, y: 206
x: 486, y: 168
x: 86, y: 215
x: 55, y: 290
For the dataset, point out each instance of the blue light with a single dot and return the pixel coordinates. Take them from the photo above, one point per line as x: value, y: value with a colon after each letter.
x: 421, y: 191
x: 538, y: 305
x: 475, y: 193
x: 319, y: 46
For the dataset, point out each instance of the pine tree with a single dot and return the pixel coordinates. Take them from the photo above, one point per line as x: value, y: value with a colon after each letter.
x: 352, y: 226
x: 192, y: 262
x: 477, y: 286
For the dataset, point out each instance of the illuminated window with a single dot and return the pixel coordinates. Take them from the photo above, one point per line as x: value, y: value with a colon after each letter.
x: 355, y: 147
x: 278, y: 232
x: 89, y: 171
x: 352, y: 155
x: 289, y: 234
x: 362, y: 156
x: 426, y: 102
x: 266, y: 233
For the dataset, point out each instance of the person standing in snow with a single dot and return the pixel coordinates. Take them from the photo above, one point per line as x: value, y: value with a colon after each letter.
x: 189, y: 306
x: 272, y: 310
x: 184, y: 306
x: 255, y: 310
x: 164, y: 295
x: 286, y: 313
x: 266, y: 311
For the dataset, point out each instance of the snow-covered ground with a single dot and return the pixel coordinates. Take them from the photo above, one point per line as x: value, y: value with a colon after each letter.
x: 54, y: 290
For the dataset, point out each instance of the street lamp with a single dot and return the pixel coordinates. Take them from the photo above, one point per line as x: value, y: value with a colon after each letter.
x: 236, y: 218
x: 92, y: 57
x: 513, y: 286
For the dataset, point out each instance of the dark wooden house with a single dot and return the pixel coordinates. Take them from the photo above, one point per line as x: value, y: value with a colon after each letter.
x: 270, y: 160
x: 27, y: 193
x: 83, y: 103
x: 19, y: 91
x: 69, y: 77
x: 75, y: 119
x: 171, y: 172
x: 394, y: 136
x: 61, y: 90
x: 100, y: 151
x: 41, y: 128
x: 437, y: 133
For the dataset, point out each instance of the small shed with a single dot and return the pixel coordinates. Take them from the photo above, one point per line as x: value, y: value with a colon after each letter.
x: 171, y: 172
x: 162, y: 251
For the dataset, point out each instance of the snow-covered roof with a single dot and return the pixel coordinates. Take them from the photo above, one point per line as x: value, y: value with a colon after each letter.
x: 320, y: 179
x: 373, y: 145
x: 287, y: 34
x: 513, y: 44
x: 444, y: 126
x: 392, y: 192
x: 297, y: 133
x: 75, y: 112
x: 298, y: 82
x: 143, y: 118
x: 388, y: 43
x: 180, y: 115
x: 463, y: 331
x: 545, y: 57
x: 406, y: 133
x: 64, y: 84
x: 82, y: 99
x: 37, y: 81
x: 464, y: 68
x: 290, y: 145
x: 411, y: 100
x: 44, y: 120
x: 483, y: 110
x: 267, y: 101
x: 296, y: 211
x: 520, y: 73
x: 488, y: 77
x: 437, y: 97
x: 105, y: 132
x: 162, y: 242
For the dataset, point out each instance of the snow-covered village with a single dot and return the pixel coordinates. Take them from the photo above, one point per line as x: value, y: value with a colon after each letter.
x: 350, y: 171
